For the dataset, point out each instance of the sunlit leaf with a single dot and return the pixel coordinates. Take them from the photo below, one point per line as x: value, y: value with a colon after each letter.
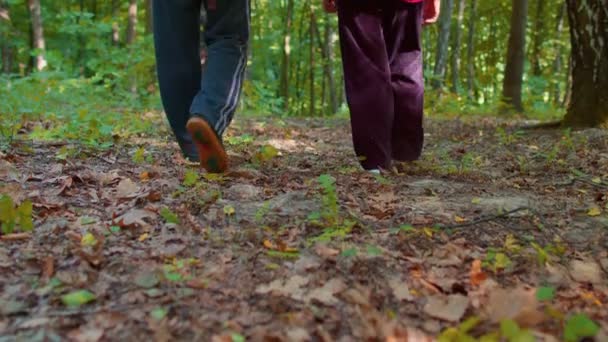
x: 77, y: 298
x: 88, y: 239
x: 545, y: 293
x: 580, y: 326
x: 595, y: 211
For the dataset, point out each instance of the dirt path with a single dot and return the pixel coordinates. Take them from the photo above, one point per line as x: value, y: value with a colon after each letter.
x: 298, y: 244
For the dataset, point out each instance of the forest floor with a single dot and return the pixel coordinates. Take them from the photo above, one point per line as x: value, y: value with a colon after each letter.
x: 498, y: 232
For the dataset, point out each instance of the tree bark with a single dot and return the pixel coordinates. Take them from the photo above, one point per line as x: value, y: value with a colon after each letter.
x: 538, y: 37
x: 443, y: 41
x: 132, y: 23
x: 456, y: 48
x: 514, y: 69
x: 313, y: 23
x: 38, y: 44
x: 588, y: 106
x: 471, y: 89
x: 286, y: 54
x: 558, y: 61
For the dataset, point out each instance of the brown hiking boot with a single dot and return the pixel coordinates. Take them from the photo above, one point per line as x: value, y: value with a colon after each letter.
x: 212, y: 155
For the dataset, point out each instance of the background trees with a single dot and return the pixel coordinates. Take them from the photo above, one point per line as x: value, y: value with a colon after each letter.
x: 475, y: 57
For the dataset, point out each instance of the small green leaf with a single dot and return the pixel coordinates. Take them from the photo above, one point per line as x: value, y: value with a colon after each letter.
x: 86, y: 220
x: 237, y: 338
x: 545, y: 293
x: 580, y: 326
x: 229, y: 210
x: 509, y: 328
x: 169, y: 216
x: 523, y: 336
x: 139, y: 156
x: 115, y: 229
x: 191, y: 178
x: 373, y: 250
x: 469, y: 324
x: 158, y: 313
x: 77, y: 298
x: 88, y: 239
x: 349, y: 253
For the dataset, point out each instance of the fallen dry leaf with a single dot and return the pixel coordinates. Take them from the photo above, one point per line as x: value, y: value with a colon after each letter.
x: 86, y: 334
x: 325, y: 294
x: 127, y: 189
x: 476, y: 275
x: 48, y: 267
x: 291, y: 288
x: 518, y: 304
x: 134, y: 217
x: 585, y: 271
x: 448, y: 308
x: 400, y: 289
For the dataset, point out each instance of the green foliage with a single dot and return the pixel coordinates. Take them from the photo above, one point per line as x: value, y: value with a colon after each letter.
x: 334, y: 225
x: 545, y: 293
x: 580, y: 326
x: 78, y: 298
x: 15, y: 217
x: 169, y: 216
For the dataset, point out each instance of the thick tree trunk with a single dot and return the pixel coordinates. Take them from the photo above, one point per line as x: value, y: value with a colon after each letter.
x: 132, y: 23
x: 514, y: 69
x: 538, y: 37
x: 558, y: 61
x: 471, y: 89
x: 456, y: 48
x: 311, y: 75
x: 441, y: 58
x: 329, y: 62
x: 588, y: 105
x: 38, y: 44
x: 149, y: 20
x: 285, y: 63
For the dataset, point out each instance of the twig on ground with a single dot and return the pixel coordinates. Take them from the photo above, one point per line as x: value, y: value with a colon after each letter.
x: 15, y: 237
x: 484, y: 219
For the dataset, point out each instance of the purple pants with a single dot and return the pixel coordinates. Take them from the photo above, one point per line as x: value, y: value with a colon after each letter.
x: 382, y: 59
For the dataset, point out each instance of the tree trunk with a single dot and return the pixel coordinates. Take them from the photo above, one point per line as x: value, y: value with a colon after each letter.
x: 115, y: 27
x: 328, y: 45
x: 456, y: 48
x: 441, y: 57
x: 588, y: 106
x: 514, y: 69
x: 311, y: 33
x: 38, y: 44
x: 285, y: 63
x: 471, y: 89
x: 149, y: 20
x: 132, y: 24
x: 7, y: 49
x: 538, y: 37
x: 557, y: 63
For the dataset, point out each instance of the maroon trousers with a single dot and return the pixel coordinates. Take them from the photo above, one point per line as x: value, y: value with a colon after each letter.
x: 382, y: 60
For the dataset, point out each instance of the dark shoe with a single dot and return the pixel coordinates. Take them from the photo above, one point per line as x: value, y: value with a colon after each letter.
x: 211, y: 153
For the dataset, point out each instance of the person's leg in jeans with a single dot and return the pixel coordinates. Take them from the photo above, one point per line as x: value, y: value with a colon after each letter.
x: 226, y: 37
x: 402, y: 32
x: 176, y: 41
x: 211, y: 105
x: 367, y: 79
